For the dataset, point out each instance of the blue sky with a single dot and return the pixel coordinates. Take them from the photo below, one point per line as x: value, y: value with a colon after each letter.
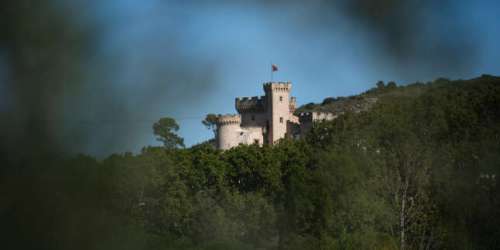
x: 184, y: 59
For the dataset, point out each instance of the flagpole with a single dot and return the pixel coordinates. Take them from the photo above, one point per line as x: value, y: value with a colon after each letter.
x: 272, y: 71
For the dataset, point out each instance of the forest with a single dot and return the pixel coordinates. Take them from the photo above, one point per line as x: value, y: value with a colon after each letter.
x: 419, y: 169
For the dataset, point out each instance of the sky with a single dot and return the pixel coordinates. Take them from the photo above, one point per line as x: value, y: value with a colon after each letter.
x: 148, y: 59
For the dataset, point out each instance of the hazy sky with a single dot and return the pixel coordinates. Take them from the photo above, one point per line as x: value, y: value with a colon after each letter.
x: 151, y: 59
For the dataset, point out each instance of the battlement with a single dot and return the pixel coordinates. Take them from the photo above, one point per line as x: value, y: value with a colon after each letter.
x: 228, y: 119
x: 264, y: 120
x: 250, y: 104
x: 278, y: 86
x: 316, y: 116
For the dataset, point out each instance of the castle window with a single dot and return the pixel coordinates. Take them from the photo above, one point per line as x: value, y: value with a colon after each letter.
x: 256, y: 141
x: 241, y: 133
x: 281, y: 119
x: 281, y: 98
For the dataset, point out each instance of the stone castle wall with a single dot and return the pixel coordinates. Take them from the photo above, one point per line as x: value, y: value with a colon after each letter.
x: 265, y: 119
x: 307, y: 119
x: 278, y: 106
x: 255, y: 104
x: 228, y: 131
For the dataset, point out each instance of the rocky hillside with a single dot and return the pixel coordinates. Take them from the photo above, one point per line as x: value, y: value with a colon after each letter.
x: 364, y: 101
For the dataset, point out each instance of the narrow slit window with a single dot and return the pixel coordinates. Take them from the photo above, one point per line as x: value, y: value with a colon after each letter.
x: 281, y: 119
x: 281, y: 98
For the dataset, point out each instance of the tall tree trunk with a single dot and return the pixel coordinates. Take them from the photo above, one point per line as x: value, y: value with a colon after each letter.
x: 402, y: 221
x: 403, y: 212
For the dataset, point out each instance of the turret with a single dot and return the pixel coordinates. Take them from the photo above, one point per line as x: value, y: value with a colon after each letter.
x: 228, y: 131
x: 261, y: 119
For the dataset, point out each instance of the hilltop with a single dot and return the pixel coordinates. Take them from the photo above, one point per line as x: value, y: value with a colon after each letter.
x: 416, y: 169
x: 365, y: 100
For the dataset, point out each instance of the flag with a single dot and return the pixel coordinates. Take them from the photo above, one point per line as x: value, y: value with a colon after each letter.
x: 274, y: 67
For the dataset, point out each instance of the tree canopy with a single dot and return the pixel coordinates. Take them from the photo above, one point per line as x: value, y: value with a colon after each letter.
x: 165, y: 129
x: 210, y: 122
x: 419, y: 170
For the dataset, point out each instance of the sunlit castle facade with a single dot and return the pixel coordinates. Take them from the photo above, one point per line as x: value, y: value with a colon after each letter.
x: 265, y: 119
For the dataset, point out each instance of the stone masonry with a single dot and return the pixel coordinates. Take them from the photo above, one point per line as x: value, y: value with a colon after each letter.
x: 265, y: 119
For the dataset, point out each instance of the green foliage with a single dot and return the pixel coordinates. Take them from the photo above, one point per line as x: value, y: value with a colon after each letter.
x: 210, y: 121
x: 380, y: 85
x: 419, y: 170
x: 328, y: 100
x: 165, y: 130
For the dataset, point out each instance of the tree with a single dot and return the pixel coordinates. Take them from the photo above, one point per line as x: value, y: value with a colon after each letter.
x: 380, y: 85
x: 328, y: 100
x: 391, y: 85
x: 165, y: 129
x: 210, y: 122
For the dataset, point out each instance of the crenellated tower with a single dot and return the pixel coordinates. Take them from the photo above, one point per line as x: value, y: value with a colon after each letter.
x: 278, y: 109
x: 228, y: 131
x: 264, y: 119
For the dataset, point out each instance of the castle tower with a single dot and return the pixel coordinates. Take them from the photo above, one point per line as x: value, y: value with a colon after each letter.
x: 228, y: 131
x: 278, y: 109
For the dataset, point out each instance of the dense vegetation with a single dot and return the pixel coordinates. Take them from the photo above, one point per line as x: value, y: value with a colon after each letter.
x: 419, y: 170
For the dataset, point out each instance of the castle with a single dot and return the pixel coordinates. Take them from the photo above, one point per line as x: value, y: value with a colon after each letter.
x: 265, y: 119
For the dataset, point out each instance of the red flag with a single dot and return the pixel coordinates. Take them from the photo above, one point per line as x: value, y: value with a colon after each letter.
x: 275, y: 67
